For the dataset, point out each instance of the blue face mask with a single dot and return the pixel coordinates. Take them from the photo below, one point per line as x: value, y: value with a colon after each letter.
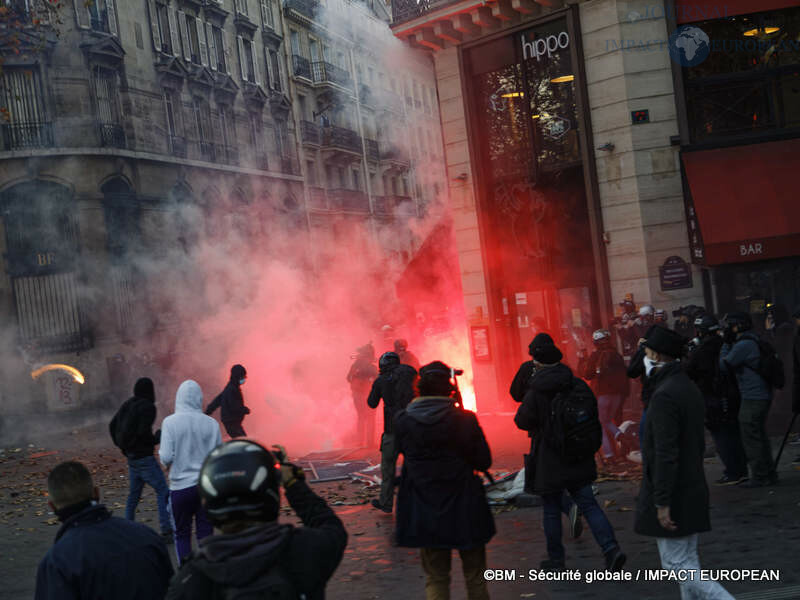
x: 241, y: 381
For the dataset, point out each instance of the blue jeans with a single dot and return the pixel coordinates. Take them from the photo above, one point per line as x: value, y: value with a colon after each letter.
x: 146, y: 470
x: 607, y: 406
x: 594, y: 515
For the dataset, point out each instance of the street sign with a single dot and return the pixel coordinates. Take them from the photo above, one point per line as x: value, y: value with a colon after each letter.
x: 676, y: 274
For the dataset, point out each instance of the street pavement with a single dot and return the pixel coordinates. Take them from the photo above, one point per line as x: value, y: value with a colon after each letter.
x: 752, y: 529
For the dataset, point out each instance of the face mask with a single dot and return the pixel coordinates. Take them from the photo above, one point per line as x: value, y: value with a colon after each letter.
x: 650, y: 364
x: 241, y: 381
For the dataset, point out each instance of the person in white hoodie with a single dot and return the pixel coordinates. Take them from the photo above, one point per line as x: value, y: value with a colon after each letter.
x: 187, y: 437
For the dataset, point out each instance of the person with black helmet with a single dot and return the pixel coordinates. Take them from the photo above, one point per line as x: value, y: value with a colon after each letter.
x: 441, y: 503
x: 741, y: 356
x: 406, y: 356
x: 360, y: 377
x: 251, y: 554
x: 721, y: 399
x: 395, y: 386
x: 232, y: 403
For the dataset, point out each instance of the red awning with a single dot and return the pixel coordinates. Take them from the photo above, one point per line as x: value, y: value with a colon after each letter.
x: 691, y: 11
x: 746, y: 200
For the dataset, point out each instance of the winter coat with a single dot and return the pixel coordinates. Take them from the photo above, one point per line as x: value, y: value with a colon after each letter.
x: 605, y: 368
x: 136, y: 416
x: 520, y: 383
x: 673, y: 446
x: 230, y: 399
x: 742, y: 359
x: 796, y: 373
x: 719, y: 390
x: 307, y: 556
x: 441, y: 502
x: 396, y: 388
x: 187, y: 437
x: 552, y: 474
x: 99, y: 557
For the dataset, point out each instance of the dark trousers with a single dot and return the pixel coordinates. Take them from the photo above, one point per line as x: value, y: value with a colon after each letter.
x: 728, y: 440
x: 753, y: 424
x: 388, y: 469
x: 234, y: 429
x: 146, y: 470
x: 436, y: 564
x: 594, y: 515
x: 366, y: 424
x: 186, y: 506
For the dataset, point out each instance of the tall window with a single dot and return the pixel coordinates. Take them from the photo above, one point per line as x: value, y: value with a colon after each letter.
x: 102, y: 15
x: 218, y: 45
x: 22, y: 94
x: 267, y: 18
x: 227, y: 125
x: 275, y: 68
x: 202, y: 122
x: 294, y: 40
x: 356, y: 179
x: 241, y: 7
x: 162, y: 26
x: 246, y: 60
x: 106, y: 93
x: 194, y: 42
x: 311, y: 168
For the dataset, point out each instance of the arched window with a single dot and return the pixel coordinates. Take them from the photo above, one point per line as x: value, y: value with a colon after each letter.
x: 122, y: 213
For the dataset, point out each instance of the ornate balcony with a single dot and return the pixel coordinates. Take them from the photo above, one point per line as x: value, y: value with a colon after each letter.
x: 27, y: 135
x: 348, y: 200
x: 301, y: 67
x: 393, y: 153
x: 111, y: 135
x: 325, y: 72
x: 372, y: 149
x: 303, y: 10
x: 340, y: 138
x: 393, y: 205
x: 310, y: 133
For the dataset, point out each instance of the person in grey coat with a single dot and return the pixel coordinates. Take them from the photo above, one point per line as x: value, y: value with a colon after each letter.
x: 741, y: 356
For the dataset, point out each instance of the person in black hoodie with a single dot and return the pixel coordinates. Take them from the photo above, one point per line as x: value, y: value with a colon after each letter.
x: 553, y: 472
x: 96, y: 556
x: 230, y: 399
x: 252, y: 555
x: 441, y: 504
x: 721, y: 399
x: 132, y: 432
x: 395, y: 385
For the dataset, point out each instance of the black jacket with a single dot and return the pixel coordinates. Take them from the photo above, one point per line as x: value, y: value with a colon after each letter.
x: 520, y: 383
x: 131, y: 428
x: 307, y: 556
x: 396, y: 388
x: 99, y: 557
x: 231, y: 400
x: 441, y: 502
x: 636, y: 369
x: 796, y: 373
x: 673, y: 445
x: 605, y: 368
x: 719, y: 389
x: 551, y: 473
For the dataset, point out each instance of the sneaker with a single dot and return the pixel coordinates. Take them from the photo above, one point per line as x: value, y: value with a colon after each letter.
x: 552, y: 565
x: 725, y: 480
x: 615, y: 559
x: 377, y: 504
x: 167, y: 537
x: 575, y: 522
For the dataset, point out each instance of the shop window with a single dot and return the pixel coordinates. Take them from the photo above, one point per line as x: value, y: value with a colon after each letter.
x: 749, y: 84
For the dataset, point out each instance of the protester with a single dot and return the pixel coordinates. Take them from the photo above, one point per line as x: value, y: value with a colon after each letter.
x: 232, y: 403
x: 673, y: 500
x: 741, y: 356
x: 441, y: 504
x: 96, y: 556
x: 406, y: 356
x: 721, y: 398
x: 187, y: 436
x: 605, y: 368
x: 132, y: 432
x: 560, y: 464
x: 360, y: 377
x: 796, y: 370
x: 395, y: 386
x: 252, y: 555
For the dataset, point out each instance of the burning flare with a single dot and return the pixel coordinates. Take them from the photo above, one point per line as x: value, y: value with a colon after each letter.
x: 76, y: 375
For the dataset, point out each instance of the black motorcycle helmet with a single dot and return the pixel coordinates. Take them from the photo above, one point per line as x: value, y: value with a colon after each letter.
x: 741, y: 319
x: 239, y: 481
x: 387, y: 361
x: 706, y: 324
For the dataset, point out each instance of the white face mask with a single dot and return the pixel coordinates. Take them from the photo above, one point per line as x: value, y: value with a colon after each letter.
x: 650, y: 364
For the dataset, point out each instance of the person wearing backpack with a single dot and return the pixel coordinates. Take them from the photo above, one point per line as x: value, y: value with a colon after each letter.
x: 395, y: 386
x: 561, y: 413
x: 252, y: 555
x: 721, y: 399
x: 132, y: 432
x: 673, y: 505
x: 741, y: 355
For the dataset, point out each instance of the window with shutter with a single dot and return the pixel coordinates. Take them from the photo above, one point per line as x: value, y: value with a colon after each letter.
x: 226, y: 51
x: 81, y: 15
x: 155, y: 31
x: 111, y: 16
x: 267, y: 71
x: 277, y: 81
x: 173, y: 31
x: 242, y: 65
x: 187, y: 51
x: 266, y: 14
x: 213, y: 60
x: 201, y: 38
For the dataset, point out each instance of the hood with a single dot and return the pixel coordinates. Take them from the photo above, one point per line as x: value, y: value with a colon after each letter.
x: 189, y: 397
x: 429, y: 409
x: 236, y: 559
x: 551, y: 379
x: 144, y: 389
x: 237, y: 372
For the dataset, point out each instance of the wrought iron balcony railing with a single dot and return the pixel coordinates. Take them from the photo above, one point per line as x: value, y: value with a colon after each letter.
x: 325, y: 72
x: 372, y: 149
x: 393, y: 152
x: 349, y: 200
x: 178, y: 146
x: 301, y: 67
x: 306, y: 8
x: 310, y: 133
x: 393, y: 204
x: 111, y: 135
x: 341, y: 138
x: 27, y: 135
x: 406, y: 10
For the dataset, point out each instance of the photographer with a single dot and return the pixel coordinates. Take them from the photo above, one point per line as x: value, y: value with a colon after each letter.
x: 685, y: 317
x: 252, y: 555
x: 721, y: 399
x: 741, y: 356
x: 441, y: 504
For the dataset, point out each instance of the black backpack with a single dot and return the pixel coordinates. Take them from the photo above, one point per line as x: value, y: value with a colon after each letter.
x: 124, y: 425
x: 574, y: 430
x: 770, y: 365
